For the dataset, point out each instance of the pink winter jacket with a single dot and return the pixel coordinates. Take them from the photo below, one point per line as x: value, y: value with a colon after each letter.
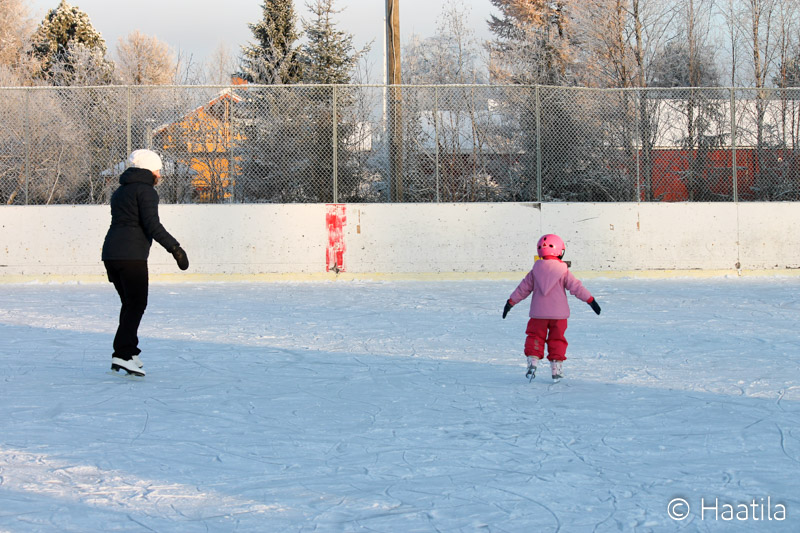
x: 548, y: 280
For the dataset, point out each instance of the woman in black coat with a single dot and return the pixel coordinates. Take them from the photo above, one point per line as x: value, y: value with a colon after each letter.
x: 134, y: 225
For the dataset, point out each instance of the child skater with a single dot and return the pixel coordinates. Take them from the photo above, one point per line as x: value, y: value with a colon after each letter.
x: 548, y: 280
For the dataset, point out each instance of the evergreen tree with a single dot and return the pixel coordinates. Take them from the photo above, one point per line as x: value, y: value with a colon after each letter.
x: 788, y: 73
x: 673, y: 66
x: 533, y: 41
x: 329, y: 56
x: 299, y: 122
x: 63, y: 31
x: 273, y: 58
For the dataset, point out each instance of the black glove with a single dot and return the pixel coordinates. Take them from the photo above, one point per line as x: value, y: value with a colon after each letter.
x: 507, y: 308
x: 180, y: 257
x: 595, y: 306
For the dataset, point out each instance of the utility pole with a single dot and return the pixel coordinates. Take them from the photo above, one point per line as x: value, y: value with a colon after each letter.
x: 395, y: 117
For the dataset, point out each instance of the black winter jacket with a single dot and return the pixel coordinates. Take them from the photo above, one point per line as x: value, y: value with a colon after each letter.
x: 134, y: 219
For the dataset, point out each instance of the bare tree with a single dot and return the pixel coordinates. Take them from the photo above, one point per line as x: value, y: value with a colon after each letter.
x: 754, y: 22
x: 144, y: 60
x: 760, y: 17
x: 455, y: 117
x: 622, y: 38
x: 220, y: 66
x: 452, y: 56
x: 16, y: 30
x: 789, y: 26
x: 45, y: 158
x: 688, y: 61
x: 781, y: 180
x: 609, y: 41
x: 727, y: 10
x: 188, y: 71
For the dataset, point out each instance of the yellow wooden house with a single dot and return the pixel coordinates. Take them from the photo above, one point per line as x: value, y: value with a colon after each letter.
x: 203, y: 140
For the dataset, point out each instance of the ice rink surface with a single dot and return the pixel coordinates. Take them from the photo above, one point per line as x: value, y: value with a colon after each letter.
x: 401, y: 407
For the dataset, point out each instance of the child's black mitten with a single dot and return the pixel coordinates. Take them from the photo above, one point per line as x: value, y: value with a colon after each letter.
x: 507, y: 308
x: 594, y: 305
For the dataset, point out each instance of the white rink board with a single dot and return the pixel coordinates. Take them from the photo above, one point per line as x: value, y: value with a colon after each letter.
x: 481, y: 238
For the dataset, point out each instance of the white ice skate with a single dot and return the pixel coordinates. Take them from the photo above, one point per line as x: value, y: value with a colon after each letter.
x: 555, y: 369
x: 137, y: 361
x: 127, y: 365
x: 531, y: 373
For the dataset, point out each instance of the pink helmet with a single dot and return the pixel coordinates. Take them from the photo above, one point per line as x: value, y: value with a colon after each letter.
x: 550, y: 245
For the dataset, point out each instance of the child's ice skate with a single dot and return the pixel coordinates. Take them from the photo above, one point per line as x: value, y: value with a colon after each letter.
x: 555, y: 368
x: 531, y: 373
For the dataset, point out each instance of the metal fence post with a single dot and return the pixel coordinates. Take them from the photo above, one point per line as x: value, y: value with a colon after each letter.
x: 130, y: 121
x: 233, y: 183
x: 538, y: 146
x: 637, y: 143
x: 734, y: 177
x: 27, y: 142
x: 335, y: 148
x: 436, y: 136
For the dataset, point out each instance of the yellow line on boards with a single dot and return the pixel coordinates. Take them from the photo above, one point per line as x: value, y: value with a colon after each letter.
x: 396, y: 276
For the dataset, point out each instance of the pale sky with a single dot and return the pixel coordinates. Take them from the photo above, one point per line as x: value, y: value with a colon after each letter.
x: 197, y: 27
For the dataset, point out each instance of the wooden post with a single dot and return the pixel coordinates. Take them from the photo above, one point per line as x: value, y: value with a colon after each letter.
x: 395, y: 117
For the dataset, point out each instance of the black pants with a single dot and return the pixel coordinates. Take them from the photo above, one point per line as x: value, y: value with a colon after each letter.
x: 131, y: 281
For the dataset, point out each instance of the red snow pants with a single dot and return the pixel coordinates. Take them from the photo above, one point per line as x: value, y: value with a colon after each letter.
x: 543, y: 331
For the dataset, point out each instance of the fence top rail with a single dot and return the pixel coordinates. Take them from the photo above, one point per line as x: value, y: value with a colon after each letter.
x: 411, y: 85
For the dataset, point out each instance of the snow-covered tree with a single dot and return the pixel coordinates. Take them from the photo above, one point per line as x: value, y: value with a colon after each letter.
x: 532, y: 41
x: 678, y: 66
x: 65, y: 31
x: 296, y: 127
x: 451, y: 56
x: 144, y: 60
x: 16, y: 28
x: 789, y: 76
x: 38, y: 129
x: 273, y: 58
x: 688, y: 59
x: 329, y: 55
x: 456, y: 116
x: 81, y: 65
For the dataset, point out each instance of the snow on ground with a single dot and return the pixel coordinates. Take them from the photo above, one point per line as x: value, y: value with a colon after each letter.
x: 401, y: 406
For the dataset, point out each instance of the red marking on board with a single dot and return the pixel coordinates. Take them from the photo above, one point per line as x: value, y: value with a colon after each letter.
x: 335, y: 220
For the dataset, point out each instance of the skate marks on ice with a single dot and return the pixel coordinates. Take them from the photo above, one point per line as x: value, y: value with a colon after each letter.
x: 399, y: 407
x: 57, y: 479
x: 374, y: 442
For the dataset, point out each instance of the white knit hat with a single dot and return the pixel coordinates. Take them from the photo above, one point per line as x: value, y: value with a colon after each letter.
x: 146, y: 159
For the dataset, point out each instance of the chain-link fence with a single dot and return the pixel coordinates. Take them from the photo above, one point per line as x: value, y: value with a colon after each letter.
x: 366, y: 143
